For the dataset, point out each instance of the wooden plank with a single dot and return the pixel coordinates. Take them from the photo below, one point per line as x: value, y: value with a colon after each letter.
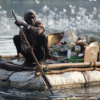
x: 7, y: 56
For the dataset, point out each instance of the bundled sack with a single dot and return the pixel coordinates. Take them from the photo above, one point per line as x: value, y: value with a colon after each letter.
x: 68, y: 36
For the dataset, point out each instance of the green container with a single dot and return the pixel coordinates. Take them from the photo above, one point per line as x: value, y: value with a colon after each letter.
x: 75, y: 59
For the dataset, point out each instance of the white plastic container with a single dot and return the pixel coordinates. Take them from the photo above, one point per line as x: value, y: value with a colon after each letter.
x: 69, y: 53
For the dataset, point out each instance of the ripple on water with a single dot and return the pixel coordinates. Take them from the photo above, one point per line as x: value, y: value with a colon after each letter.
x: 74, y: 93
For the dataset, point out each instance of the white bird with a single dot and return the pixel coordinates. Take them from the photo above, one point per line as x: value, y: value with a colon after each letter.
x: 70, y: 6
x: 90, y: 0
x: 72, y: 11
x: 38, y: 2
x: 55, y: 9
x: 7, y: 27
x: 45, y: 8
x: 0, y: 7
x: 64, y: 10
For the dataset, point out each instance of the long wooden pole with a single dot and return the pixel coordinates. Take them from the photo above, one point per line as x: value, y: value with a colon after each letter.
x: 70, y: 65
x: 43, y: 75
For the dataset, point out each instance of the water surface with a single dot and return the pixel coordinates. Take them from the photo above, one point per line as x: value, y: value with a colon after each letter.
x: 8, y: 30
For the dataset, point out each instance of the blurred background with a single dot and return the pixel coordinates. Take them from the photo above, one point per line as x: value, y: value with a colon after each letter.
x: 81, y: 16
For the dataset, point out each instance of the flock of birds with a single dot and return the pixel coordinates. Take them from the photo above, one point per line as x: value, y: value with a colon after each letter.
x: 53, y: 20
x: 61, y: 21
x: 83, y: 20
x: 38, y: 1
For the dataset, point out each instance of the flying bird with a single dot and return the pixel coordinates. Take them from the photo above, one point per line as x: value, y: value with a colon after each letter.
x: 37, y: 1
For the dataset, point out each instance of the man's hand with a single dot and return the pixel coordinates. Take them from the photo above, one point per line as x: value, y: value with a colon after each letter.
x: 18, y: 23
x: 30, y: 49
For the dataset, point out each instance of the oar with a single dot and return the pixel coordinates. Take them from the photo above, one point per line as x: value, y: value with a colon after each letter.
x: 43, y: 75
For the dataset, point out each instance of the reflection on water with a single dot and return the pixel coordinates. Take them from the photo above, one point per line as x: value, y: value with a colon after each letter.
x: 92, y: 92
x: 83, y: 17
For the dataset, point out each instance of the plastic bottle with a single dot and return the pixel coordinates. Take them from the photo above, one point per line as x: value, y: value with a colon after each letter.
x: 69, y: 53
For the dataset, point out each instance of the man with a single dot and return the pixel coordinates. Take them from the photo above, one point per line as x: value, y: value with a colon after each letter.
x: 35, y: 34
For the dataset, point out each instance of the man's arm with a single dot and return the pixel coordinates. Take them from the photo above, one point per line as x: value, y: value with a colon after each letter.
x: 37, y: 29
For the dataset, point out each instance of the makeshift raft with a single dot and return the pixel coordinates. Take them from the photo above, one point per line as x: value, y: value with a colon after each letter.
x: 60, y: 76
x: 73, y: 75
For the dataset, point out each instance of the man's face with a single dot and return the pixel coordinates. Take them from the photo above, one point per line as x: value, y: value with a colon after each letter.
x: 31, y: 19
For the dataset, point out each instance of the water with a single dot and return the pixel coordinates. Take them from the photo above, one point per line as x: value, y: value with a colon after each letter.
x: 81, y: 16
x: 92, y: 92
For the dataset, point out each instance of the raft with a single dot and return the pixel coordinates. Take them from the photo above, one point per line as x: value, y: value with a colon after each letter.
x: 60, y: 76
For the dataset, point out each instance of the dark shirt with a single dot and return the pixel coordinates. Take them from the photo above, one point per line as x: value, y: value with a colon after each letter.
x: 31, y: 35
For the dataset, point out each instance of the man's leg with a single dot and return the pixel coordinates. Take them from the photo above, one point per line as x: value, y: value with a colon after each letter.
x: 17, y: 42
x: 43, y: 51
x: 28, y: 56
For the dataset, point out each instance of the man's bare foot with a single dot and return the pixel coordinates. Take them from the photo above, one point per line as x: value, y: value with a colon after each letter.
x: 20, y: 55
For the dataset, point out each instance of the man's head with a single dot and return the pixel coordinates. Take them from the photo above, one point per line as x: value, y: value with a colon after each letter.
x: 30, y: 16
